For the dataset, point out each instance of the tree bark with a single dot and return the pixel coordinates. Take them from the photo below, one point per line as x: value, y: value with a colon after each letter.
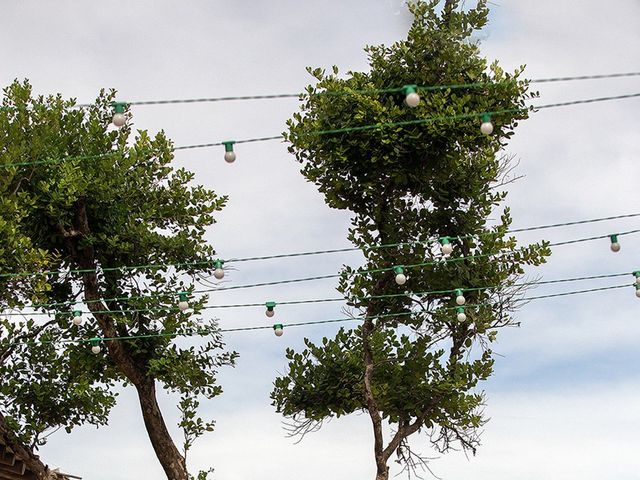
x: 168, y: 455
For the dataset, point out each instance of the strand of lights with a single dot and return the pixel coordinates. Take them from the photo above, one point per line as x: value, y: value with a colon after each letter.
x: 218, y: 264
x: 373, y: 91
x: 279, y: 328
x: 458, y: 293
x: 377, y: 126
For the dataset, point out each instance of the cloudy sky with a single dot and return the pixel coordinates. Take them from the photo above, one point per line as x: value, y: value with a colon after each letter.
x: 564, y: 397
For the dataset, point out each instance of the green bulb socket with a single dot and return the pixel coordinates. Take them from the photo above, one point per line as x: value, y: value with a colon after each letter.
x: 270, y: 305
x: 614, y: 238
x: 218, y: 263
x: 444, y: 241
x: 407, y: 89
x: 460, y: 309
x: 77, y: 313
x: 278, y: 326
x: 398, y: 269
x: 95, y: 341
x: 228, y: 145
x: 119, y: 107
x: 486, y: 118
x: 183, y: 296
x: 458, y: 292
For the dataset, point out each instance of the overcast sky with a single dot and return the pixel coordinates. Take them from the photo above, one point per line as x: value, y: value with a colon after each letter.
x: 564, y: 398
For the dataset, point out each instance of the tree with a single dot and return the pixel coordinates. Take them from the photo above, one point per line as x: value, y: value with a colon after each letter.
x: 93, y: 202
x: 423, y: 174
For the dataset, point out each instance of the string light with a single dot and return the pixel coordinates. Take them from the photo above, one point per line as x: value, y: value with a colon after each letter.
x: 77, y: 317
x: 278, y: 329
x: 229, y: 154
x: 183, y: 303
x: 615, y: 246
x: 401, y: 278
x: 218, y: 272
x: 95, y: 345
x: 637, y: 276
x: 460, y: 300
x: 270, y: 312
x: 461, y: 315
x: 445, y: 246
x: 486, y: 127
x: 412, y: 99
x: 118, y: 117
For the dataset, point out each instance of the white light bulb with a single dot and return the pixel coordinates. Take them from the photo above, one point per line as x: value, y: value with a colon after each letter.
x: 278, y: 331
x: 412, y: 99
x: 460, y: 300
x: 638, y: 292
x: 230, y: 157
x: 219, y: 272
x: 401, y: 279
x: 446, y: 249
x: 183, y: 305
x: 95, y: 349
x: 270, y: 312
x: 462, y: 317
x: 77, y: 320
x: 486, y: 128
x: 119, y: 119
x: 615, y: 247
x: 637, y: 280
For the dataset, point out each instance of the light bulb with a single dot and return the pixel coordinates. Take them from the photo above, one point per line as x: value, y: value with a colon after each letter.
x: 460, y: 300
x: 229, y: 154
x: 638, y: 290
x: 95, y: 345
x: 615, y: 246
x: 637, y: 275
x: 183, y: 303
x: 218, y: 272
x: 412, y: 99
x: 486, y: 127
x: 270, y: 312
x: 278, y: 329
x: 118, y: 117
x: 461, y: 315
x: 401, y: 278
x: 445, y: 246
x: 77, y: 317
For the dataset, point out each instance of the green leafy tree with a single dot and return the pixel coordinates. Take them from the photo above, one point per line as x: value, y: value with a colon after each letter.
x: 413, y: 364
x: 87, y: 201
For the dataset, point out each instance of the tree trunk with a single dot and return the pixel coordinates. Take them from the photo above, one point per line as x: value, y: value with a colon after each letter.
x: 168, y: 455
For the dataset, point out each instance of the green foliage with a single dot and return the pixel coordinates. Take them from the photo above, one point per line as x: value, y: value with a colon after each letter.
x: 115, y: 201
x: 413, y: 184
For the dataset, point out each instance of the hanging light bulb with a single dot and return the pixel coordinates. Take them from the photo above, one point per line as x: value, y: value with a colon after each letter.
x: 445, y: 246
x: 118, y: 117
x: 401, y: 278
x: 461, y: 315
x: 460, y: 300
x: 615, y: 246
x: 486, y: 127
x: 183, y: 301
x: 637, y: 275
x: 229, y: 154
x: 218, y: 272
x: 77, y: 317
x: 638, y: 290
x: 412, y: 99
x: 95, y: 345
x: 278, y: 329
x: 270, y: 312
